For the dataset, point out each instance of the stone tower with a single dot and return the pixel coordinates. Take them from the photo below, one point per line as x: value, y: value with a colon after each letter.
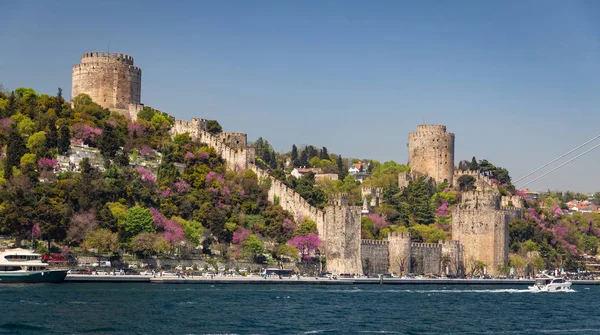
x: 399, y: 251
x: 111, y: 80
x: 480, y: 223
x: 342, y: 237
x: 431, y: 152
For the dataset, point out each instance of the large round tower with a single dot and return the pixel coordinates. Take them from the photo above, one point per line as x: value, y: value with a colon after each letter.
x: 110, y: 79
x: 431, y: 152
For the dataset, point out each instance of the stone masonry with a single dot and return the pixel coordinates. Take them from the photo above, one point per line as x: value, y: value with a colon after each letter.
x: 338, y: 225
x: 480, y: 223
x: 111, y: 80
x: 431, y: 152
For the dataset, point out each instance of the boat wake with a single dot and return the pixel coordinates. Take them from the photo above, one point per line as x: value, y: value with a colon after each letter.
x: 506, y: 290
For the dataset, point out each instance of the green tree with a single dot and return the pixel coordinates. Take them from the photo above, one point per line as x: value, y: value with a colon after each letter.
x: 474, y: 166
x: 213, y: 127
x: 109, y: 141
x: 303, y: 160
x: 138, y: 220
x: 15, y: 149
x: 253, y: 247
x: 466, y: 183
x: 294, y: 156
x: 306, y: 226
x: 103, y: 240
x: 324, y: 154
x: 64, y: 139
x: 518, y: 263
x: 147, y: 244
x: 419, y: 195
x: 37, y: 144
x: 288, y: 251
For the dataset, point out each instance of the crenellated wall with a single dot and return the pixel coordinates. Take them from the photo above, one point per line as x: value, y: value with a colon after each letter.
x: 452, y: 256
x: 342, y: 239
x: 509, y: 201
x: 236, y: 156
x: 426, y: 258
x: 431, y: 152
x: 480, y: 223
x: 482, y: 182
x: 375, y: 193
x: 338, y: 226
x: 375, y: 256
x: 405, y: 178
x: 111, y: 80
x: 399, y: 253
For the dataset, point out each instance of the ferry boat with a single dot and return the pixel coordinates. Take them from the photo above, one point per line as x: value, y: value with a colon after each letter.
x: 24, y: 266
x: 550, y: 284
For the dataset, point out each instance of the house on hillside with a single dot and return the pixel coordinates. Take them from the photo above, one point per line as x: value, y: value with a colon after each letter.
x: 359, y: 171
x: 301, y: 172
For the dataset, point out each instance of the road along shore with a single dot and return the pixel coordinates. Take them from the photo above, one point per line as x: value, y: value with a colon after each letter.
x: 302, y: 281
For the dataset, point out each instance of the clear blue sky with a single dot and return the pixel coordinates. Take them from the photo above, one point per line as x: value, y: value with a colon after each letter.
x: 518, y: 82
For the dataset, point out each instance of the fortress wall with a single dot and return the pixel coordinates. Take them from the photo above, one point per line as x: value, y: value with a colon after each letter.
x: 431, y: 152
x: 376, y: 194
x: 512, y: 201
x: 405, y: 178
x: 291, y: 201
x: 479, y: 200
x: 452, y: 252
x: 483, y: 235
x: 232, y: 147
x: 237, y: 158
x: 399, y: 253
x: 111, y: 80
x: 343, y: 244
x: 374, y: 256
x: 426, y: 258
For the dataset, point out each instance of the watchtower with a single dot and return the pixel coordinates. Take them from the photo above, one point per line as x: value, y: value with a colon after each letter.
x: 431, y: 152
x: 111, y: 80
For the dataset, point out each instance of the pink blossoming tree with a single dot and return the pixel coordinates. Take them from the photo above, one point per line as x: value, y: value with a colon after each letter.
x: 306, y: 244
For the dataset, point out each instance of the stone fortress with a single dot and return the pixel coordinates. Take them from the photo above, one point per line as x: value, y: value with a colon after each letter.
x: 431, y: 152
x: 479, y: 221
x: 111, y: 80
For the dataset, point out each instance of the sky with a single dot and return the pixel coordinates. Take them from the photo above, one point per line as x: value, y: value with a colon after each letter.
x: 516, y: 81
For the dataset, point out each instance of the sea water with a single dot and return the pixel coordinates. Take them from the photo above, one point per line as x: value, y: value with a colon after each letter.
x: 97, y: 308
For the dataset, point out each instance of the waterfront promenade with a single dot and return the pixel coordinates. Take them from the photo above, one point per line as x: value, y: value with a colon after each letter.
x: 302, y: 281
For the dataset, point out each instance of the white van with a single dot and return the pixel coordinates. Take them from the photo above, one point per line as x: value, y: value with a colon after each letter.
x: 104, y: 264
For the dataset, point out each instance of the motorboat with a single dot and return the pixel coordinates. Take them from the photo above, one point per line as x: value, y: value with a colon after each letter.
x: 548, y: 283
x: 24, y: 266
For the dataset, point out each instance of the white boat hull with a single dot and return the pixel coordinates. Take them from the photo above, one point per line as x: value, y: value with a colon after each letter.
x: 562, y: 287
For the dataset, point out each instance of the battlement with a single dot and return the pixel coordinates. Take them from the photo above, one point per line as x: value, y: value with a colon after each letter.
x: 89, y: 57
x: 479, y: 200
x: 398, y: 235
x: 449, y: 243
x: 459, y: 173
x: 426, y: 245
x: 340, y: 199
x: 374, y: 242
x: 431, y: 152
x: 431, y: 127
x: 405, y: 178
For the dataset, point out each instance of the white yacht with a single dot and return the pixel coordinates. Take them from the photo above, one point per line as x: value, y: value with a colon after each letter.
x: 550, y: 284
x: 24, y: 266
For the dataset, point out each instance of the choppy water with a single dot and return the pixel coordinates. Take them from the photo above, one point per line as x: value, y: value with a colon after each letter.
x: 276, y: 309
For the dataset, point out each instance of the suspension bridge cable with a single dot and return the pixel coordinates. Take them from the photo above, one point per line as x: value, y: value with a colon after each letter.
x: 563, y: 164
x: 556, y: 159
